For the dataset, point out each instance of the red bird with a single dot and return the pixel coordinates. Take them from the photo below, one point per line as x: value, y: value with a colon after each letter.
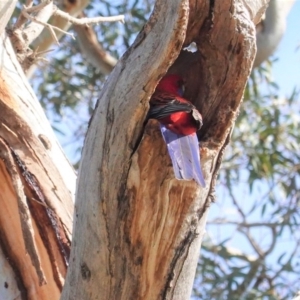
x: 179, y: 121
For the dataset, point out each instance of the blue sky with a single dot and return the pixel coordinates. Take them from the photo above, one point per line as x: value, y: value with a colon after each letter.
x: 286, y: 70
x: 286, y: 73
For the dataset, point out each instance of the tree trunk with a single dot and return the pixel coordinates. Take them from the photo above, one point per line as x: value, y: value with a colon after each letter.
x: 138, y: 230
x: 37, y: 187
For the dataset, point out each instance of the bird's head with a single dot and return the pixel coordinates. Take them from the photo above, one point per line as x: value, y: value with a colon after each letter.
x: 171, y: 83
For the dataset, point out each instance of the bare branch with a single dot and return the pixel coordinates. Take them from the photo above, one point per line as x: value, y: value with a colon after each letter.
x: 22, y: 19
x: 44, y: 12
x: 271, y: 29
x: 273, y: 243
x: 253, y: 243
x: 86, y: 21
x: 244, y: 224
x: 92, y: 49
x: 226, y: 252
x: 22, y: 38
x: 242, y: 288
x: 45, y: 40
x: 235, y: 202
x: 50, y: 27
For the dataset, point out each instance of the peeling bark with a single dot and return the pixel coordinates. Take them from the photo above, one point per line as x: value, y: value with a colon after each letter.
x: 37, y: 187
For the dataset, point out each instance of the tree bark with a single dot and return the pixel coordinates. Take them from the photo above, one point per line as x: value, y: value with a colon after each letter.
x: 138, y: 230
x: 6, y: 9
x: 37, y: 187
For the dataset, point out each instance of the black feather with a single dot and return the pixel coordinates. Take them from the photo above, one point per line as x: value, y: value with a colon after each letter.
x: 163, y: 105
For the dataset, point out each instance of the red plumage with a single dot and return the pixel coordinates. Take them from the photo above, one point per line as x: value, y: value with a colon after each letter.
x: 175, y: 112
x: 179, y: 122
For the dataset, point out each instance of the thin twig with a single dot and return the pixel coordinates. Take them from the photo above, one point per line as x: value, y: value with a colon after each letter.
x: 253, y: 243
x: 57, y: 12
x: 86, y: 21
x: 248, y: 225
x: 21, y: 19
x: 50, y: 27
x: 236, y: 204
x: 273, y: 243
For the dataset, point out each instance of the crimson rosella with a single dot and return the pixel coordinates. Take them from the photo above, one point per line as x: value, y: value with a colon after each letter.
x: 179, y: 120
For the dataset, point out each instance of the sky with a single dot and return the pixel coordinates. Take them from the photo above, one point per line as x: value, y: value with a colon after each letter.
x: 286, y: 73
x: 287, y: 69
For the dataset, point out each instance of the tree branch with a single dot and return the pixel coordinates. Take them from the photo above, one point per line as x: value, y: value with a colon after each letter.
x: 6, y: 9
x: 22, y: 38
x: 226, y: 252
x: 45, y: 40
x: 44, y: 24
x: 29, y: 8
x: 86, y: 21
x: 245, y: 224
x: 92, y: 49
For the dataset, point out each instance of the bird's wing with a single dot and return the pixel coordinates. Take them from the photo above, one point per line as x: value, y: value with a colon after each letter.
x: 185, y: 155
x: 164, y: 104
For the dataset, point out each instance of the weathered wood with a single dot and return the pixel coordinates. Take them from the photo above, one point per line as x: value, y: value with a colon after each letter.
x: 137, y: 229
x: 6, y: 9
x: 37, y: 188
x: 117, y: 123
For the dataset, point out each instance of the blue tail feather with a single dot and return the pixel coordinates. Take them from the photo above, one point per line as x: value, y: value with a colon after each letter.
x: 185, y: 155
